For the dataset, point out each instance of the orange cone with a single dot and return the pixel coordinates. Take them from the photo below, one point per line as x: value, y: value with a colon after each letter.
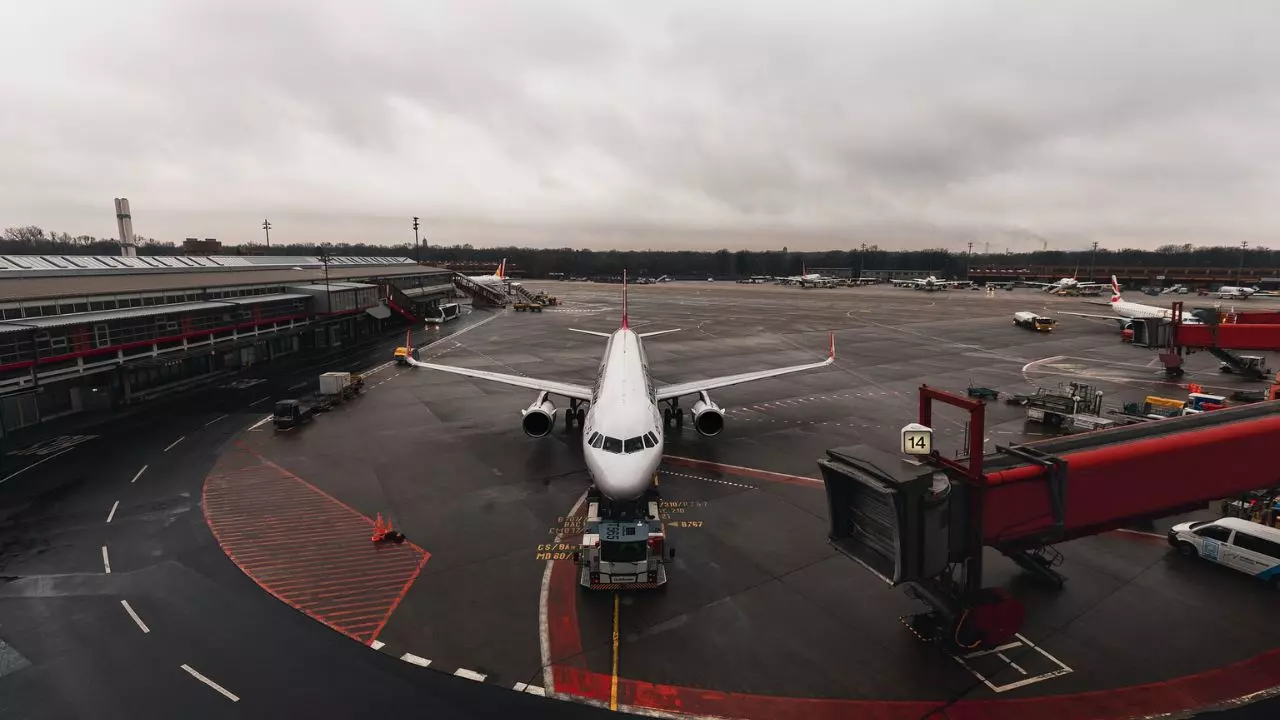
x: 378, y: 529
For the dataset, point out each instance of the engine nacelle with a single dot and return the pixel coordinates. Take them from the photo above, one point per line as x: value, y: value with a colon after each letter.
x: 538, y: 418
x: 708, y: 418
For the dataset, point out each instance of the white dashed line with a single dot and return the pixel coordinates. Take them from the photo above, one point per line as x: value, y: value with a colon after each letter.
x: 112, y: 514
x: 531, y: 689
x: 220, y: 417
x: 141, y: 625
x: 255, y: 402
x: 470, y: 674
x: 174, y: 443
x: 713, y: 480
x: 226, y: 693
x: 377, y: 644
x: 135, y: 477
x: 106, y: 561
x: 411, y: 658
x: 261, y: 422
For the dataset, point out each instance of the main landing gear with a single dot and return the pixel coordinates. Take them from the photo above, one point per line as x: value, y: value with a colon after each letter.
x: 576, y: 414
x: 673, y: 415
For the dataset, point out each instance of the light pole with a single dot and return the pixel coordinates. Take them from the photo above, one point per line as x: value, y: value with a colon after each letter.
x: 968, y: 255
x: 266, y: 228
x: 1093, y: 262
x: 1244, y: 245
x: 862, y: 261
x: 323, y: 256
x: 417, y: 246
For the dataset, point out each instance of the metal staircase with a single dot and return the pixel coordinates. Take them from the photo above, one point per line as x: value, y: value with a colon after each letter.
x: 523, y: 294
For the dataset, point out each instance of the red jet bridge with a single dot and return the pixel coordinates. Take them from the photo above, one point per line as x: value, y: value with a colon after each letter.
x: 1218, y: 333
x: 926, y: 526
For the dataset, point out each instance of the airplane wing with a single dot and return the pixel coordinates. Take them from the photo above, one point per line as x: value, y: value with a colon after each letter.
x: 1112, y: 316
x: 666, y: 392
x: 555, y: 387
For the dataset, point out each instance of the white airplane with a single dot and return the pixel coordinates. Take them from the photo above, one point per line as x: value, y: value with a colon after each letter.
x: 1233, y: 292
x: 622, y: 428
x: 1125, y: 312
x: 498, y: 276
x: 1065, y: 284
x: 802, y: 278
x: 932, y: 283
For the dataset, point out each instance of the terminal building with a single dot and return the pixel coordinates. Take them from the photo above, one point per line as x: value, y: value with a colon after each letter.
x: 81, y: 333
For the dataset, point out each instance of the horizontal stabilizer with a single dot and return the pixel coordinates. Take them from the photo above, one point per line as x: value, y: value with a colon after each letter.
x: 659, y: 332
x: 591, y: 332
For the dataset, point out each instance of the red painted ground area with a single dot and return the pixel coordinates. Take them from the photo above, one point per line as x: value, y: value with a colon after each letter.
x: 571, y: 678
x: 306, y: 548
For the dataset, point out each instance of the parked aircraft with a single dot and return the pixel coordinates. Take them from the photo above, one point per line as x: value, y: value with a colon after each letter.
x: 1125, y: 312
x: 622, y: 428
x: 932, y: 283
x: 1065, y: 284
x: 498, y: 276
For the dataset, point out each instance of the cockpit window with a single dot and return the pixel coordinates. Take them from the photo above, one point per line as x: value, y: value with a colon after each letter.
x: 613, y: 445
x: 648, y: 440
x: 634, y: 444
x: 592, y: 440
x: 596, y: 440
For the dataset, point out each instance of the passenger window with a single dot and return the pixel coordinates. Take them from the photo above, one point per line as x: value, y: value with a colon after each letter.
x: 1215, y: 532
x: 634, y: 444
x: 648, y: 441
x: 613, y: 445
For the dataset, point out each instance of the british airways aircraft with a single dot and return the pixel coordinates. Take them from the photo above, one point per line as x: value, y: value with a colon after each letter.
x: 1126, y: 311
x: 622, y: 425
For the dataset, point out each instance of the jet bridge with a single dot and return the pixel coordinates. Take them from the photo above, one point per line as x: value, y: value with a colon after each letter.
x: 925, y: 526
x: 1217, y: 333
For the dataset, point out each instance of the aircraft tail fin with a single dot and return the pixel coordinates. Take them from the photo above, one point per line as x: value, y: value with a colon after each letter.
x: 1115, y: 289
x: 624, y: 300
x: 501, y: 272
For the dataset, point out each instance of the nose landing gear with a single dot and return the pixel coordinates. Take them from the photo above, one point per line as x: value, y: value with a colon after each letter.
x: 673, y: 415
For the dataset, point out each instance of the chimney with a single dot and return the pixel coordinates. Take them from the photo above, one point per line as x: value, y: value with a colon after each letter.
x: 124, y: 222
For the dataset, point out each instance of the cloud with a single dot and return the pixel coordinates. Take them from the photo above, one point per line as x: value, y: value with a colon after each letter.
x: 658, y: 124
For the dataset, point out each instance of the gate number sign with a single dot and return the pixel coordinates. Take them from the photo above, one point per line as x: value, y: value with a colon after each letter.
x: 917, y: 439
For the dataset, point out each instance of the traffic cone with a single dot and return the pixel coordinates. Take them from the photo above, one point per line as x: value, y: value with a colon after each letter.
x: 379, y: 530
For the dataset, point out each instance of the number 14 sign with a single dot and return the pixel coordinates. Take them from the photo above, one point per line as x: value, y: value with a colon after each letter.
x: 917, y: 439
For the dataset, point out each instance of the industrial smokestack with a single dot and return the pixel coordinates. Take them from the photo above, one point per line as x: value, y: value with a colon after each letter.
x: 124, y: 222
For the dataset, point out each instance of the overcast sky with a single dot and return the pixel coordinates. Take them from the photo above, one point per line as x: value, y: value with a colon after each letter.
x: 647, y: 124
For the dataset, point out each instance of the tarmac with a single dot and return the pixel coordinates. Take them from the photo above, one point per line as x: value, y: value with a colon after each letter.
x: 290, y: 612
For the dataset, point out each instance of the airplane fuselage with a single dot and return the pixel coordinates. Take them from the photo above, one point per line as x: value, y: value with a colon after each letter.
x: 622, y: 433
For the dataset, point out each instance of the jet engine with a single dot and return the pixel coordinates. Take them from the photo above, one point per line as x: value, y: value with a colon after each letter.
x: 538, y: 418
x: 708, y: 418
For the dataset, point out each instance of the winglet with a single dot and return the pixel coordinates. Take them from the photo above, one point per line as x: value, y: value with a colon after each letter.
x: 624, y: 300
x: 832, y: 356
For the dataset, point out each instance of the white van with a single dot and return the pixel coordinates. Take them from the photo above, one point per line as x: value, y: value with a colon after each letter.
x: 1237, y: 543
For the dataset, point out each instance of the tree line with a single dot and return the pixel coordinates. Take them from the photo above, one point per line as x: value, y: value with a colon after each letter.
x: 541, y: 262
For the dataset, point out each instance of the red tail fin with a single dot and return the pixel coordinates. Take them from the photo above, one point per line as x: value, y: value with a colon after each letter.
x: 502, y: 270
x: 624, y: 299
